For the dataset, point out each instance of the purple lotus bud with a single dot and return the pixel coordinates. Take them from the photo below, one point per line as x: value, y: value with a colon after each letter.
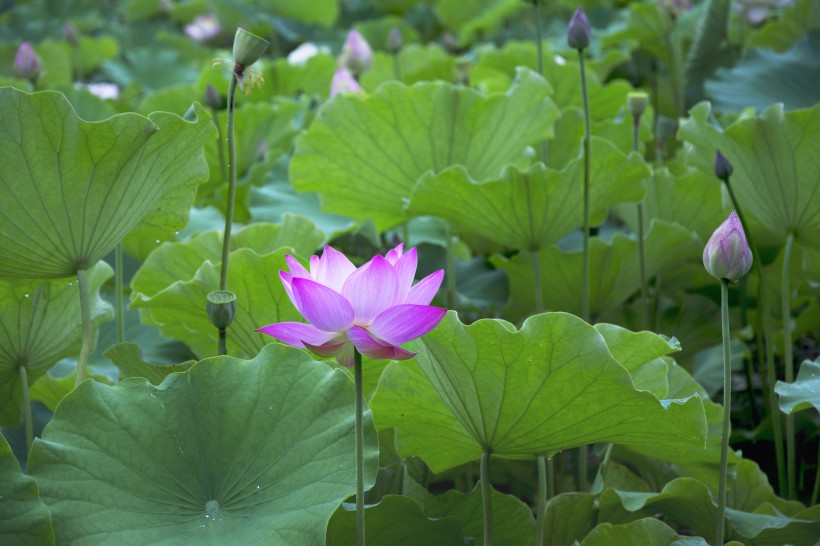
x: 356, y: 54
x: 70, y: 33
x: 578, y: 32
x: 203, y: 28
x: 449, y: 42
x: 727, y: 255
x: 394, y: 40
x: 213, y: 99
x: 26, y: 62
x: 344, y: 82
x: 723, y: 169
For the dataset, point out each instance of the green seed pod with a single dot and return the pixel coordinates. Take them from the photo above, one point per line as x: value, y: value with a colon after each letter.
x: 248, y: 47
x: 637, y: 103
x: 221, y: 308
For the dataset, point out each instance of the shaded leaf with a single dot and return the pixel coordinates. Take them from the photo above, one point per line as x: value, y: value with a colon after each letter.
x: 127, y: 357
x: 643, y: 532
x: 804, y: 392
x: 24, y: 519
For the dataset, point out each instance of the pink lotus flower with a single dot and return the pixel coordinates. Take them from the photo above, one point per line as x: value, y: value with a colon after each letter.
x: 344, y: 82
x: 356, y: 54
x: 203, y: 28
x: 374, y: 308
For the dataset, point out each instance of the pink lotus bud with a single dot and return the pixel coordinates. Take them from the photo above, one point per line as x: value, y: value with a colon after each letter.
x: 394, y: 40
x: 727, y: 255
x: 579, y: 32
x: 723, y: 169
x: 356, y: 53
x: 26, y: 62
x: 70, y: 33
x: 203, y: 28
x: 344, y: 82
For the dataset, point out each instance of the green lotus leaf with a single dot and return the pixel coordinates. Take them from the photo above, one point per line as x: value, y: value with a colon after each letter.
x: 804, y: 392
x: 789, y: 26
x: 394, y: 521
x: 312, y: 78
x: 550, y: 386
x: 643, y: 532
x: 178, y: 310
x: 530, y: 209
x: 39, y: 325
x: 67, y: 204
x: 127, y: 358
x: 415, y: 63
x: 269, y: 458
x: 364, y: 153
x: 614, y: 268
x: 776, y: 179
x: 569, y: 518
x: 24, y: 518
x: 472, y: 18
x: 692, y: 199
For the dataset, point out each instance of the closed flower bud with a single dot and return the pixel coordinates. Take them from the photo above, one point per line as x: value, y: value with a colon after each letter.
x: 394, y: 40
x: 578, y: 32
x: 356, y: 54
x: 213, y: 99
x: 247, y: 47
x: 723, y: 169
x: 221, y: 307
x: 26, y: 62
x: 727, y: 255
x: 344, y: 82
x: 70, y: 33
x: 637, y: 103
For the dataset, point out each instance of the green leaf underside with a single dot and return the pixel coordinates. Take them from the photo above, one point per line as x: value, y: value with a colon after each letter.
x: 364, y: 153
x: 643, y: 532
x: 74, y: 189
x: 804, y: 393
x: 530, y: 209
x: 40, y: 325
x: 551, y: 386
x: 137, y: 463
x: 776, y: 175
x: 24, y: 519
x: 127, y: 358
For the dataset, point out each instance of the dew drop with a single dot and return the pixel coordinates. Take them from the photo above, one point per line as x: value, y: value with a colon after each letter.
x: 157, y: 241
x: 70, y: 284
x: 257, y: 487
x: 26, y: 295
x: 211, y: 508
x: 176, y: 233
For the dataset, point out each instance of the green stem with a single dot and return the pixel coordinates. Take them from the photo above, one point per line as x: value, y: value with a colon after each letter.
x: 357, y: 375
x: 450, y: 269
x: 222, y: 347
x: 788, y: 363
x: 26, y: 403
x: 585, y: 308
x: 486, y: 496
x: 223, y: 167
x: 748, y: 367
x: 85, y: 314
x: 727, y: 410
x: 396, y: 67
x: 636, y: 142
x: 816, y: 489
x: 605, y: 465
x: 768, y: 334
x: 539, y: 52
x: 226, y: 238
x: 537, y: 288
x: 541, y: 505
x: 118, y: 292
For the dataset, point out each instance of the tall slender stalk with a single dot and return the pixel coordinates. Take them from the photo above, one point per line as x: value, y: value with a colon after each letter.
x: 539, y: 60
x: 118, y: 292
x: 226, y: 239
x: 727, y: 410
x: 357, y: 375
x: 85, y: 315
x: 636, y: 127
x: 26, y: 404
x: 486, y: 496
x: 816, y: 489
x: 541, y: 504
x: 223, y: 166
x: 585, y: 310
x: 788, y: 363
x: 450, y: 269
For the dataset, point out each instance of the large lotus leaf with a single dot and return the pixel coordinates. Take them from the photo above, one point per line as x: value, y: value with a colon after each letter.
x: 614, y: 268
x: 24, y: 519
x: 648, y: 27
x: 472, y: 18
x: 513, y: 522
x: 49, y: 390
x: 689, y: 503
x: 776, y: 173
x: 803, y: 393
x: 127, y: 358
x: 179, y: 310
x: 550, y: 386
x: 172, y: 262
x: 643, y: 532
x: 39, y: 325
x: 311, y: 78
x: 692, y: 199
x: 394, y: 521
x: 763, y: 77
x: 322, y: 12
x: 641, y: 353
x: 532, y: 208
x: 364, y: 153
x: 74, y: 189
x: 230, y: 452
x: 789, y: 26
x: 415, y: 63
x: 570, y: 516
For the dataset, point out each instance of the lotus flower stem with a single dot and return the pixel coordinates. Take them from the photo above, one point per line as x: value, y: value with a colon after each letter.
x: 396, y: 67
x: 816, y: 489
x: 727, y: 409
x: 450, y: 269
x: 220, y: 148
x: 226, y: 239
x: 585, y: 311
x: 85, y: 315
x: 486, y: 496
x: 788, y: 363
x: 539, y: 59
x: 26, y: 402
x: 768, y: 334
x: 118, y: 292
x: 636, y: 140
x: 357, y: 377
x: 541, y: 505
